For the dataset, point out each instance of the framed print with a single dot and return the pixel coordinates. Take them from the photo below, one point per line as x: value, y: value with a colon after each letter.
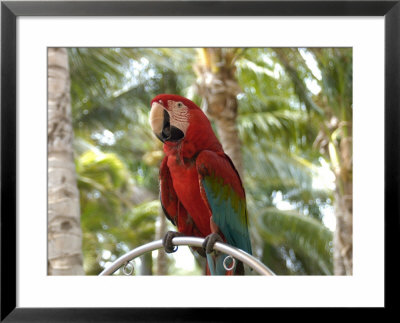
x: 295, y: 50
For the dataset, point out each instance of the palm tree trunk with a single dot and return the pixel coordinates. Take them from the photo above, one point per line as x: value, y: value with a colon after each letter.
x: 341, y: 160
x: 64, y: 231
x: 343, y: 238
x: 218, y: 87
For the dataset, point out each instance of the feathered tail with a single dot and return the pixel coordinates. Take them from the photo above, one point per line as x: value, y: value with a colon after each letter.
x: 215, y: 266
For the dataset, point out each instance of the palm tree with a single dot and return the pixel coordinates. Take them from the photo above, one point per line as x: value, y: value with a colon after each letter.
x: 64, y: 231
x: 218, y: 87
x: 307, y: 249
x: 331, y: 111
x: 117, y: 155
x: 279, y: 159
x: 263, y: 118
x: 337, y: 101
x: 264, y: 129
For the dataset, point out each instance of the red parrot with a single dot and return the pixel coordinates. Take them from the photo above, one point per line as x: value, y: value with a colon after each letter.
x: 200, y: 190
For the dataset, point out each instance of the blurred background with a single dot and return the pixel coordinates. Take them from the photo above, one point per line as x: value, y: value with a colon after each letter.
x: 284, y: 115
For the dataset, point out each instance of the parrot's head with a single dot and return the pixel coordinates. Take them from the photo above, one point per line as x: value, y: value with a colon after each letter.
x: 171, y: 116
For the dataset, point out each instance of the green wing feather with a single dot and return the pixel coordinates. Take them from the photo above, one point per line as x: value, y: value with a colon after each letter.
x: 221, y: 188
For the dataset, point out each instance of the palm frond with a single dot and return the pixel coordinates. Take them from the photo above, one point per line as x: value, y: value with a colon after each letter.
x: 310, y: 240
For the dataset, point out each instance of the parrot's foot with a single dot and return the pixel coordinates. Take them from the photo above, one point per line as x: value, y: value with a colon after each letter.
x: 209, y: 242
x: 167, y: 241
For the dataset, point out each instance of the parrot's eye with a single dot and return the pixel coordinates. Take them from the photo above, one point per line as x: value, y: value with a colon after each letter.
x: 179, y: 105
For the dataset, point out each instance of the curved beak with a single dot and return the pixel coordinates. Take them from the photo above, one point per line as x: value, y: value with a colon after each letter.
x: 161, y: 126
x: 156, y: 117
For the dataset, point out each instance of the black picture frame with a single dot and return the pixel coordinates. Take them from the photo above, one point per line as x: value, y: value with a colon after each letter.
x: 10, y: 10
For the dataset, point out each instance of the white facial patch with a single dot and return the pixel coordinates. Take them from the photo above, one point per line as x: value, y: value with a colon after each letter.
x: 179, y: 115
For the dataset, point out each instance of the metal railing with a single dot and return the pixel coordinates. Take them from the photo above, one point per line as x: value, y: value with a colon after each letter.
x: 232, y: 252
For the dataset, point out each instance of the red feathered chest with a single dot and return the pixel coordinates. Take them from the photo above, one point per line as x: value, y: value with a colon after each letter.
x: 185, y: 180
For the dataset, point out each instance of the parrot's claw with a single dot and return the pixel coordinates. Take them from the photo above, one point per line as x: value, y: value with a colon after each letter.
x: 209, y: 242
x: 167, y: 241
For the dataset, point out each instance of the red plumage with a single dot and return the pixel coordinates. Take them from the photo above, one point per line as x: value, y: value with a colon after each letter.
x: 179, y: 176
x: 193, y: 169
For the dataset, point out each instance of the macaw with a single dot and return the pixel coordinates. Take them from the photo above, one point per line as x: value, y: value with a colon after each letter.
x: 200, y: 189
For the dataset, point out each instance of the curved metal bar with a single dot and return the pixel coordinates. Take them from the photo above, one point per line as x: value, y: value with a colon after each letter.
x: 244, y: 257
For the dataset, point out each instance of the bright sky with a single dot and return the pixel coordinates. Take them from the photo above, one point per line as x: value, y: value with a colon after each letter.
x: 313, y: 66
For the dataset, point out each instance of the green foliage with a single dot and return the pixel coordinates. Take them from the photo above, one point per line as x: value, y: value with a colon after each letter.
x: 280, y: 119
x: 116, y: 153
x: 277, y: 134
x: 108, y: 216
x: 306, y: 241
